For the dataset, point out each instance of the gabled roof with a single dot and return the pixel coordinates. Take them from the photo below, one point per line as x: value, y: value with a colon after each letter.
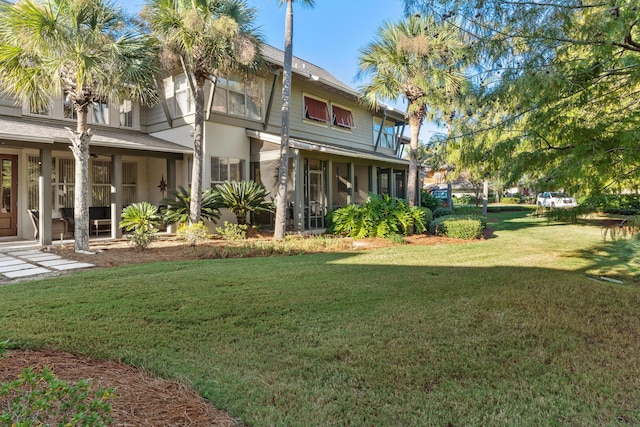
x: 306, y: 69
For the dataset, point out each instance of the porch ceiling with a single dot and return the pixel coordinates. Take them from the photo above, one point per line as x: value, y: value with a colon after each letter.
x: 24, y: 132
x: 326, y: 148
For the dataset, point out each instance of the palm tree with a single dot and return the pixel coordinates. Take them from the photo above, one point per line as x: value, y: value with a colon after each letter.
x: 88, y: 51
x: 283, y: 168
x: 417, y: 59
x: 207, y: 38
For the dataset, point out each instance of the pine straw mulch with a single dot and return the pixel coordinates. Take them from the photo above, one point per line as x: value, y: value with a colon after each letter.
x: 113, y: 253
x: 142, y: 398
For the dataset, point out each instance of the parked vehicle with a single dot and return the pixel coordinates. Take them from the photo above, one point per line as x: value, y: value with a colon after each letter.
x: 551, y: 199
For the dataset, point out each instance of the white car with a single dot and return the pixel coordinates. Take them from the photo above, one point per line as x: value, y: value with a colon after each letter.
x: 550, y: 199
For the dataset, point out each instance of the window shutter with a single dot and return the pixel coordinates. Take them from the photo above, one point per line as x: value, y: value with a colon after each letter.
x: 316, y: 110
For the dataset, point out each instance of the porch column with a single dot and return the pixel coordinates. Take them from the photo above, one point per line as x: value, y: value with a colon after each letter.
x: 116, y: 195
x: 298, y: 183
x: 373, y: 179
x: 328, y: 177
x: 352, y: 187
x: 45, y: 198
x: 171, y: 185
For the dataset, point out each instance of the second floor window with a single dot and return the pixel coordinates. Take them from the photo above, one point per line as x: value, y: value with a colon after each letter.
x: 100, y: 112
x: 183, y: 100
x: 387, y: 138
x: 342, y: 117
x: 316, y: 110
x: 239, y: 98
x: 125, y: 113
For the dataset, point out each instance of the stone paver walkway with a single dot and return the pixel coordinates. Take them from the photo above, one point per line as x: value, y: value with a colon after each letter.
x: 32, y: 262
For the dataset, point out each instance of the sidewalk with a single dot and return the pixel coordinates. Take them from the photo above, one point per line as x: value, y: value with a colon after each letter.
x: 33, y: 262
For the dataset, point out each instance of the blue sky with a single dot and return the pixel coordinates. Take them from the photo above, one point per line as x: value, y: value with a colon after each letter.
x: 329, y: 35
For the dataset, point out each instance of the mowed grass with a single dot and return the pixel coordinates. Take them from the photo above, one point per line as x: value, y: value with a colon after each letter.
x: 508, y: 331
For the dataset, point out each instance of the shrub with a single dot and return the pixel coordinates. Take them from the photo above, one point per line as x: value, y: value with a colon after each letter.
x: 465, y: 199
x: 467, y: 210
x: 429, y: 201
x: 140, y: 221
x: 459, y: 226
x: 442, y: 212
x: 380, y: 216
x: 563, y: 215
x: 178, y: 207
x: 513, y: 200
x: 233, y: 232
x: 40, y: 398
x: 193, y: 233
x: 243, y: 197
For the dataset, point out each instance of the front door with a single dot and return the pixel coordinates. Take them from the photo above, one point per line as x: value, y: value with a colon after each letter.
x: 9, y: 195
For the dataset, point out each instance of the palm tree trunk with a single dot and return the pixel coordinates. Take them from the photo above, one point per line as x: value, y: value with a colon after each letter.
x: 80, y: 147
x: 412, y: 181
x: 283, y: 168
x: 198, y: 136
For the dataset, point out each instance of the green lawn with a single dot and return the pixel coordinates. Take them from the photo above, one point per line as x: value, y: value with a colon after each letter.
x: 508, y: 331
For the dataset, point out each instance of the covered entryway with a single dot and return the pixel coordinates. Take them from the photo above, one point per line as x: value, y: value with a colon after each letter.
x: 9, y: 195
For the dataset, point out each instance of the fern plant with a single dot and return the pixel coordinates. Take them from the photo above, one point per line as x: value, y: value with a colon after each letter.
x: 140, y: 220
x: 243, y: 197
x: 380, y: 216
x: 177, y: 208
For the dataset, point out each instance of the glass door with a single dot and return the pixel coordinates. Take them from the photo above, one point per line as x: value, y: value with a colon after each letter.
x: 8, y: 195
x: 315, y: 200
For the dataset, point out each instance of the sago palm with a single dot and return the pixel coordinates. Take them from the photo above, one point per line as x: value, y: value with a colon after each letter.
x: 208, y: 39
x: 418, y: 59
x: 244, y: 197
x: 86, y: 50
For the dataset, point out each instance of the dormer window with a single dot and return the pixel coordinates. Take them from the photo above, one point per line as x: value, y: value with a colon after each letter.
x: 342, y: 117
x: 316, y: 110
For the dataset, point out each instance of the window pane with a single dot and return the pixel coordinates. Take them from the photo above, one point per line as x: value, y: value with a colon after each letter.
x: 224, y: 169
x: 215, y: 169
x: 236, y: 103
x: 34, y: 175
x: 126, y: 113
x: 234, y: 170
x: 100, y: 112
x: 219, y: 101
x: 182, y: 96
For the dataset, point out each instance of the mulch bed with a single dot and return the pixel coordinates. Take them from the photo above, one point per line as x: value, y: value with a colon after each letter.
x: 142, y: 399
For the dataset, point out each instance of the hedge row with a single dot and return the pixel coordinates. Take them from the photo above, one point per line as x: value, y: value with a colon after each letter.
x: 459, y: 226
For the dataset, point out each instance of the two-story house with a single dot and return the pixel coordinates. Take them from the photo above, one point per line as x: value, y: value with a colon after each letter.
x: 339, y: 150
